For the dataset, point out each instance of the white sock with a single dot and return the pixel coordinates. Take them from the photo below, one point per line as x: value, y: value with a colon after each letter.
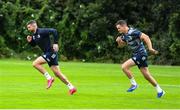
x: 70, y: 86
x: 133, y: 82
x: 46, y: 74
x: 158, y: 88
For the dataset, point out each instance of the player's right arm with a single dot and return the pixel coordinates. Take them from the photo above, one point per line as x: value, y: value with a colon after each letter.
x: 120, y: 42
x: 30, y: 40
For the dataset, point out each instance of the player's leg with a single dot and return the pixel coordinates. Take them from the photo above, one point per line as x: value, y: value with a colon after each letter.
x: 150, y: 78
x: 63, y: 78
x: 59, y: 74
x: 38, y: 65
x: 126, y: 69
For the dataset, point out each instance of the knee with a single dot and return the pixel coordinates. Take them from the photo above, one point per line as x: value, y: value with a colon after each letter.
x: 123, y: 67
x: 34, y: 64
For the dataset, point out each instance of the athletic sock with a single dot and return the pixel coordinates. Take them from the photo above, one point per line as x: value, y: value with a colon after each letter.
x: 158, y: 88
x: 133, y: 82
x: 70, y: 86
x: 46, y: 74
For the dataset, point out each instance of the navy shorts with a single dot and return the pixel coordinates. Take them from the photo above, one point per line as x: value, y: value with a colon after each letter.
x: 51, y: 58
x: 140, y: 60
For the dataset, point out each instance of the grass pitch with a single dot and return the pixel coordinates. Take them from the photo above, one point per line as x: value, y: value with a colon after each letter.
x: 99, y: 86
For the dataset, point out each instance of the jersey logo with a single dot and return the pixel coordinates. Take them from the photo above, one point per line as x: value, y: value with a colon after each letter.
x: 33, y: 37
x: 53, y: 56
x: 143, y: 58
x: 38, y: 36
x: 44, y: 56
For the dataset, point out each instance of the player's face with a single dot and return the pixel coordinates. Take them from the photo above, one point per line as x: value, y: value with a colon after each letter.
x: 31, y: 27
x: 121, y: 28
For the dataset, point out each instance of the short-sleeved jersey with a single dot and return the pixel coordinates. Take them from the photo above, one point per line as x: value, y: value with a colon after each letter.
x: 132, y: 38
x: 42, y: 38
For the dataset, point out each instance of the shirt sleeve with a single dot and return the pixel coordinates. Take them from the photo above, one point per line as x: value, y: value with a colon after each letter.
x: 136, y: 33
x: 54, y: 33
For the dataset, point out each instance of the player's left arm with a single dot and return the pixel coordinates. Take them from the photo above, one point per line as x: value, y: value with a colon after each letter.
x: 56, y: 38
x: 148, y: 42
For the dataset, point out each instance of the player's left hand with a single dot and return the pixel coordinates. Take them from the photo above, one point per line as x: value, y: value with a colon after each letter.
x: 55, y: 47
x: 153, y: 51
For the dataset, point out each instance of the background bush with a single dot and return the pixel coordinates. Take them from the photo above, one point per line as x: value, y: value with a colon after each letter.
x: 86, y: 27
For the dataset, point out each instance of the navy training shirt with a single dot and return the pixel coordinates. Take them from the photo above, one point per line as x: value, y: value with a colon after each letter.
x: 42, y: 38
x: 132, y: 38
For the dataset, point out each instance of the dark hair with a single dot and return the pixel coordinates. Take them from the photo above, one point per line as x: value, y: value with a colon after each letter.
x: 31, y: 22
x: 121, y: 22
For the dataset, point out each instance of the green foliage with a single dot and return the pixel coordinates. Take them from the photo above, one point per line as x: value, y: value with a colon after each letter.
x: 174, y: 32
x: 86, y: 27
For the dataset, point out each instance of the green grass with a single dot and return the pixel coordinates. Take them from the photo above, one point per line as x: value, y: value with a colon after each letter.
x: 99, y: 86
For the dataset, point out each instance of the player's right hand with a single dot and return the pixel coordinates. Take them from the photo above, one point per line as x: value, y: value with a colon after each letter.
x: 29, y: 38
x: 120, y: 41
